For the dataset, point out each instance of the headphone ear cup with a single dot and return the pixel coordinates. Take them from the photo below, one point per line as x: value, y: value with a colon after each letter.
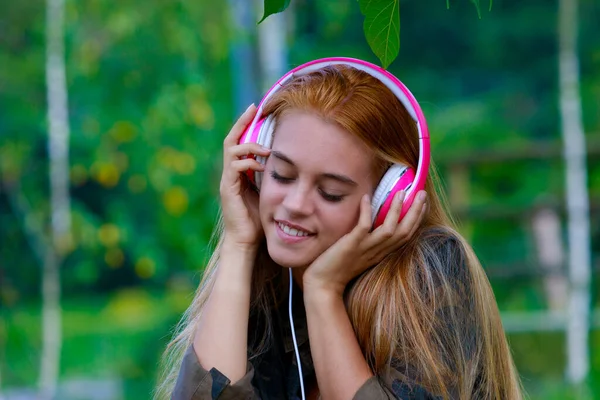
x: 262, y: 134
x: 251, y: 136
x: 397, y: 178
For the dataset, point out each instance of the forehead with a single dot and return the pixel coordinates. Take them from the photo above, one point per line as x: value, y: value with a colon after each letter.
x: 313, y: 143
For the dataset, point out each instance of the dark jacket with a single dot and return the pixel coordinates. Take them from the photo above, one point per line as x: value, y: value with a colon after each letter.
x: 273, y: 375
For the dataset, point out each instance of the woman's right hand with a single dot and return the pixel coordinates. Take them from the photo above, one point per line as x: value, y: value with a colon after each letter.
x: 239, y: 202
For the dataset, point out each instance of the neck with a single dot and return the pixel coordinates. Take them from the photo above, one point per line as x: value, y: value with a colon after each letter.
x: 298, y: 273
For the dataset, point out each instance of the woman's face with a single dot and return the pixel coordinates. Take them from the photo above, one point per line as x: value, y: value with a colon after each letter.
x: 313, y: 183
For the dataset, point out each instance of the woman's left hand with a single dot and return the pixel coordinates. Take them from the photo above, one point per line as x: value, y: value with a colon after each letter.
x: 360, y: 249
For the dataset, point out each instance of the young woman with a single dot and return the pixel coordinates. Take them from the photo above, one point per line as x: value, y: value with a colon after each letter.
x: 402, y: 311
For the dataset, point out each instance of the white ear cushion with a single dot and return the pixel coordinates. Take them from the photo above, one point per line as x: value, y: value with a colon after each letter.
x: 386, y: 184
x: 265, y: 139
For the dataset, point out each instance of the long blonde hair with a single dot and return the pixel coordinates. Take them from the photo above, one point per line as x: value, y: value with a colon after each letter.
x: 439, y: 324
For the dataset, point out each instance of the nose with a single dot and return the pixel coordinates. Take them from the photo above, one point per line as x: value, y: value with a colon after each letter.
x: 298, y: 201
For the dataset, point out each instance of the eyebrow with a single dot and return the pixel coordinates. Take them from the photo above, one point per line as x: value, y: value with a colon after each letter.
x: 329, y: 175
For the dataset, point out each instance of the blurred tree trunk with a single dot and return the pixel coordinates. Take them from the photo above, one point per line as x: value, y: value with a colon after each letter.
x: 58, y: 152
x: 550, y: 254
x: 272, y: 46
x: 577, y: 194
x: 243, y: 71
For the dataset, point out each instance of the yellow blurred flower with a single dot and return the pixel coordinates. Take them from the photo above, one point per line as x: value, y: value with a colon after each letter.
x: 121, y: 161
x: 185, y: 164
x: 145, y: 268
x: 106, y: 174
x: 123, y: 131
x: 166, y: 157
x: 199, y: 110
x: 65, y: 244
x: 176, y: 200
x: 127, y: 308
x: 88, y: 55
x: 137, y: 183
x: 109, y: 235
x: 201, y: 114
x: 79, y: 174
x: 114, y: 257
x: 178, y: 161
x: 160, y: 178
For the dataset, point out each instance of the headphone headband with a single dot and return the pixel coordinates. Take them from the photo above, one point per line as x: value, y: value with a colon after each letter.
x: 391, y: 82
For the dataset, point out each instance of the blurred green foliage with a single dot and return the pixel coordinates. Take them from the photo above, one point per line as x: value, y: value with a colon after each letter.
x: 151, y: 99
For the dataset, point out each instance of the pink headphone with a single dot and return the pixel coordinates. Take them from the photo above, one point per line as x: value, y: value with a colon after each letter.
x: 398, y: 177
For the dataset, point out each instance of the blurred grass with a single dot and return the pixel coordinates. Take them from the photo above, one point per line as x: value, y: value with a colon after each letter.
x: 541, y: 360
x: 116, y: 337
x: 121, y: 336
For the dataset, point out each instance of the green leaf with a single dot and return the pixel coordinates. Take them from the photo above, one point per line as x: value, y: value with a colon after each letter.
x: 476, y: 3
x: 274, y: 7
x: 382, y: 28
x: 477, y: 6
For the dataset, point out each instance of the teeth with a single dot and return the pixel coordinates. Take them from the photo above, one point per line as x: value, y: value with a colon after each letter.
x: 291, y: 231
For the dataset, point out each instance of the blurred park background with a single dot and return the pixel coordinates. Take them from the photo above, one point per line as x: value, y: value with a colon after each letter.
x: 154, y: 86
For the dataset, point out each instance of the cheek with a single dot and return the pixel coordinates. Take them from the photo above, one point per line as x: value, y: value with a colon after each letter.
x: 341, y: 219
x: 269, y: 196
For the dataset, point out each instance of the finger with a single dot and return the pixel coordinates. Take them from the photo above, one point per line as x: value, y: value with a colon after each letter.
x: 402, y: 234
x: 244, y: 150
x: 413, y: 217
x: 415, y: 209
x: 244, y: 165
x: 390, y: 224
x: 363, y: 227
x: 388, y: 229
x: 422, y: 215
x: 232, y: 176
x: 238, y: 128
x: 391, y: 234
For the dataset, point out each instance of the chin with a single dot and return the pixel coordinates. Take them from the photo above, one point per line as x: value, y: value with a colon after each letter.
x: 288, y: 259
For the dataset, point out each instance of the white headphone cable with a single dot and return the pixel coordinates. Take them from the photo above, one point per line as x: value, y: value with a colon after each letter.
x: 294, y: 337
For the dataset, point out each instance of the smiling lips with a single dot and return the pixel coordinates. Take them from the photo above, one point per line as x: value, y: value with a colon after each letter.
x: 291, y: 233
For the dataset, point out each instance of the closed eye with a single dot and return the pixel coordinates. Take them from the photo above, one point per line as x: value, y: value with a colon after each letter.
x: 280, y: 178
x: 331, y: 197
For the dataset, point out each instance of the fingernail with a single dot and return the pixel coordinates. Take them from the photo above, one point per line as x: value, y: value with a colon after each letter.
x: 422, y: 196
x: 249, y: 107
